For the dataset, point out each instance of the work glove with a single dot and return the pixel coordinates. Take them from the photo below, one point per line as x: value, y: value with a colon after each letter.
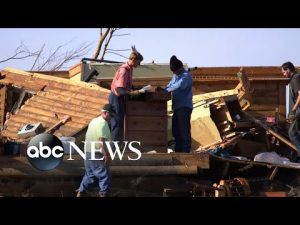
x: 136, y: 93
x: 292, y: 116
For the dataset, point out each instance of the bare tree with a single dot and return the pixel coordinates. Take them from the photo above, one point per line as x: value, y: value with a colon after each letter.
x: 106, y: 37
x: 59, y: 58
x: 54, y: 60
x: 21, y: 52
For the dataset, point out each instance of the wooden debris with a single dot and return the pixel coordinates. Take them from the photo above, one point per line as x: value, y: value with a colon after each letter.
x: 281, y: 138
x: 59, y: 123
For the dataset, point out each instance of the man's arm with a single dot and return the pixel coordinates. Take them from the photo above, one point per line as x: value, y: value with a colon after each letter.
x: 121, y: 91
x: 105, y: 151
x: 297, y: 102
x: 169, y: 84
x: 181, y: 83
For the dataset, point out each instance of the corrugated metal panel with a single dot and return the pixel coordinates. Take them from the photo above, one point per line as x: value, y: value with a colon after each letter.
x: 53, y: 99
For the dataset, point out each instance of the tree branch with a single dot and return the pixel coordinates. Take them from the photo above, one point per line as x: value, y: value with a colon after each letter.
x: 101, y: 40
x: 115, y: 35
x: 57, y: 59
x: 107, y: 42
x: 117, y: 54
x: 38, y: 56
x: 21, y: 52
x: 118, y: 50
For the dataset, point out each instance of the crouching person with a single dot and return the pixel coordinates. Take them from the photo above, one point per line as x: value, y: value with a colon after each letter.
x: 97, y: 170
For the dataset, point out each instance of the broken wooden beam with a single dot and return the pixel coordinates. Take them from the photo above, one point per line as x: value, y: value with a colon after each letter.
x: 148, y: 164
x: 59, y: 123
x: 281, y: 138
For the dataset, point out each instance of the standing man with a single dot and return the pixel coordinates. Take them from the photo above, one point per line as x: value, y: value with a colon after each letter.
x: 98, y: 130
x: 120, y: 87
x: 182, y: 105
x: 288, y: 70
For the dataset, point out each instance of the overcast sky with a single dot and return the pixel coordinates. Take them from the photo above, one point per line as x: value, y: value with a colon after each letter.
x: 197, y: 47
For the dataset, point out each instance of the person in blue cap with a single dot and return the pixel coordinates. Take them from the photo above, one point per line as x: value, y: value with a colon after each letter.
x: 181, y: 88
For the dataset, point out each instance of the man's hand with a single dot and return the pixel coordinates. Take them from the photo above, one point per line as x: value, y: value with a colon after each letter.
x: 292, y: 116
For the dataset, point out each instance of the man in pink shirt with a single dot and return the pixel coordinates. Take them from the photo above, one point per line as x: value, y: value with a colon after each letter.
x: 120, y: 87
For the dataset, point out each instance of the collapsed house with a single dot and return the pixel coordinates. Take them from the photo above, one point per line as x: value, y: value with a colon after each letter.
x: 218, y: 120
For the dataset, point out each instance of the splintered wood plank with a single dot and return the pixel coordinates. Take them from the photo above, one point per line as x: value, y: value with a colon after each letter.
x: 201, y: 138
x: 217, y: 94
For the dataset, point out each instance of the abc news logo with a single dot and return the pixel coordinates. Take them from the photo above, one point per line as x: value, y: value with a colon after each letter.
x: 45, y: 151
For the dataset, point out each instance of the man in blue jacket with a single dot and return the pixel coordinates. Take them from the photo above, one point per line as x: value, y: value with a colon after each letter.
x: 182, y: 105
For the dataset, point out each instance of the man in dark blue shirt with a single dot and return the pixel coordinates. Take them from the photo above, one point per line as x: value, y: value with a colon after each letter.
x: 182, y: 105
x: 288, y: 70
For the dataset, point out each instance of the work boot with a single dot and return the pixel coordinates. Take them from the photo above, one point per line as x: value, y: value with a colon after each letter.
x: 81, y: 194
x: 103, y: 195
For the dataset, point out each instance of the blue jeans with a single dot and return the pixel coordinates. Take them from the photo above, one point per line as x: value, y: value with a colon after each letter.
x: 181, y: 129
x: 96, y: 170
x: 117, y: 122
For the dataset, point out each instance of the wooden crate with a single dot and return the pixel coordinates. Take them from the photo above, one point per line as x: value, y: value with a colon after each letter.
x: 146, y: 121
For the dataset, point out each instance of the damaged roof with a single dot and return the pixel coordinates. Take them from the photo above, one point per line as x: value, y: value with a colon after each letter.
x: 53, y: 98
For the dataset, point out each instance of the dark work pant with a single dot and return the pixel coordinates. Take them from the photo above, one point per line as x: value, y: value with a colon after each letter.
x: 181, y: 129
x: 294, y: 133
x: 117, y: 122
